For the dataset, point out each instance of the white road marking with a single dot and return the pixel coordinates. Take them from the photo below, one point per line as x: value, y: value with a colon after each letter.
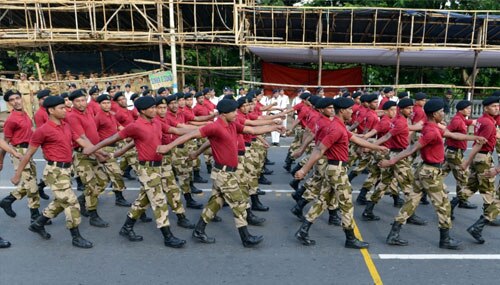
x: 440, y: 256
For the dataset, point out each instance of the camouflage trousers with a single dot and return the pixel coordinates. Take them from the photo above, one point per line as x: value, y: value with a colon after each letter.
x: 226, y: 188
x: 452, y: 163
x: 428, y: 179
x: 297, y: 140
x: 59, y: 181
x: 375, y: 175
x: 261, y: 151
x: 206, y: 155
x: 401, y: 172
x: 93, y: 177
x: 112, y: 169
x: 308, y: 152
x: 243, y: 173
x: 129, y: 159
x: 353, y: 155
x: 339, y: 189
x: 478, y: 182
x: 365, y: 159
x: 315, y: 184
x: 151, y: 193
x: 255, y: 155
x: 182, y: 167
x: 170, y: 186
x: 27, y: 185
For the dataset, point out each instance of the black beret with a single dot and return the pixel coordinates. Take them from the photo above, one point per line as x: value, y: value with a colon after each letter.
x: 388, y: 89
x: 161, y: 90
x: 188, y: 95
x: 463, y: 104
x: 226, y: 106
x: 258, y: 92
x: 76, y: 94
x: 134, y: 96
x: 276, y: 91
x: 434, y: 105
x: 250, y: 97
x: 251, y: 92
x: 52, y: 101
x: 64, y: 95
x: 145, y: 92
x: 449, y: 91
x: 304, y: 95
x: 43, y: 93
x: 420, y: 96
x: 346, y: 94
x: 343, y: 103
x: 10, y: 93
x: 179, y: 95
x: 490, y: 100
x: 118, y: 95
x: 171, y: 98
x: 107, y: 89
x: 402, y: 95
x: 228, y: 97
x: 387, y: 105
x: 356, y: 94
x: 363, y: 97
x: 241, y: 101
x: 103, y: 97
x: 198, y: 94
x: 161, y: 100
x: 405, y: 102
x: 314, y: 99
x: 144, y: 87
x: 324, y: 102
x: 371, y: 97
x: 94, y: 90
x: 496, y: 93
x: 127, y: 85
x: 72, y: 85
x: 144, y: 103
x: 205, y: 90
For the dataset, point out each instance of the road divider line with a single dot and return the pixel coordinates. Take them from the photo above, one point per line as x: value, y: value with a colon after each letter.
x: 440, y: 256
x: 368, y: 259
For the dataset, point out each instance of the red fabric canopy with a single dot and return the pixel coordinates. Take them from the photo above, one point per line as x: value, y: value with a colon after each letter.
x: 275, y: 73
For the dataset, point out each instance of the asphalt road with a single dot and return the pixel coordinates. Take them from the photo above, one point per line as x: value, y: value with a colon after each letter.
x: 280, y: 259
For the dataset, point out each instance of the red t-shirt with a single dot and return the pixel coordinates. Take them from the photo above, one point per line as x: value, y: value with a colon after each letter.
x: 93, y: 107
x: 298, y: 107
x: 458, y: 125
x: 337, y: 141
x: 311, y: 119
x: 106, y: 124
x: 174, y: 120
x: 124, y: 116
x: 371, y: 120
x: 383, y: 127
x: 322, y: 128
x: 56, y: 141
x: 166, y: 137
x: 418, y: 114
x: 201, y: 110
x: 355, y: 111
x: 188, y: 114
x: 209, y: 105
x: 241, y: 118
x: 223, y: 141
x: 41, y: 117
x: 18, y: 127
x: 147, y: 136
x: 485, y: 127
x: 258, y: 108
x: 360, y: 119
x: 432, y: 150
x: 399, y: 133
x: 82, y: 123
x: 382, y: 102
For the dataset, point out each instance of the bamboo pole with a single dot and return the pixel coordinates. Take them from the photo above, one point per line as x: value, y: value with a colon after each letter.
x: 397, y: 67
x: 192, y: 66
x: 52, y: 58
x: 474, y: 73
x: 173, y: 53
x: 320, y: 65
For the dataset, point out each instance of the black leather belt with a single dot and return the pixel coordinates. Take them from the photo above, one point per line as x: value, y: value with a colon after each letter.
x: 113, y: 145
x: 336, y: 162
x: 438, y: 165
x: 452, y: 148
x: 150, y: 163
x: 397, y: 149
x: 180, y: 146
x: 23, y: 145
x: 59, y: 164
x: 241, y: 152
x: 248, y: 144
x: 485, y: 152
x: 224, y: 167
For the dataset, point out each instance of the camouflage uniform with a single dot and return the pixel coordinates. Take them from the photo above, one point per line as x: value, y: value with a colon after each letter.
x: 24, y: 87
x: 182, y: 167
x: 129, y: 158
x: 297, y: 140
x: 430, y: 180
x: 317, y: 182
x: 253, y: 165
x: 170, y: 186
x: 27, y: 185
x: 401, y: 172
x: 113, y: 170
x: 59, y: 181
x: 453, y: 163
x: 93, y: 177
x: 375, y: 175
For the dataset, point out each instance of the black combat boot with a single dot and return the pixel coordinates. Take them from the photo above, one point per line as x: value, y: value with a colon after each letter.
x: 96, y: 221
x: 253, y: 220
x: 38, y: 227
x: 247, y: 239
x: 303, y: 233
x: 194, y: 189
x: 393, y: 237
x: 260, y: 192
x: 298, y: 208
x: 170, y: 240
x: 288, y: 162
x: 466, y: 205
x: 41, y: 192
x: 191, y: 203
x: 4, y: 243
x: 298, y: 194
x: 416, y: 220
x: 267, y: 171
x: 197, y: 178
x: 476, y: 230
x: 78, y: 240
x: 120, y: 200
x: 199, y: 232
x: 127, y: 174
x: 83, y: 209
x: 368, y: 212
x: 209, y: 168
x: 295, y: 184
x: 216, y: 219
x: 295, y: 169
x: 454, y: 203
x: 34, y: 214
x: 361, y: 199
x: 352, y: 242
x: 268, y: 162
x: 184, y: 222
x: 79, y: 184
x: 144, y: 218
x: 334, y: 218
x: 128, y: 230
x: 424, y: 200
x: 352, y: 175
x: 257, y: 205
x: 398, y: 202
x: 6, y: 204
x: 263, y: 180
x: 446, y: 242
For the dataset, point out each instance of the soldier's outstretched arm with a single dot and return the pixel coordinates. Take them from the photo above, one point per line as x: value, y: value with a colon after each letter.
x: 263, y: 129
x: 24, y: 161
x: 475, y: 149
x: 405, y: 153
x: 180, y: 140
x: 90, y: 149
x: 123, y: 150
x: 316, y: 154
x: 6, y: 147
x: 194, y: 154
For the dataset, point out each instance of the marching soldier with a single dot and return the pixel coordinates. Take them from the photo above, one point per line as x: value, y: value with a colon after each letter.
x: 55, y: 138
